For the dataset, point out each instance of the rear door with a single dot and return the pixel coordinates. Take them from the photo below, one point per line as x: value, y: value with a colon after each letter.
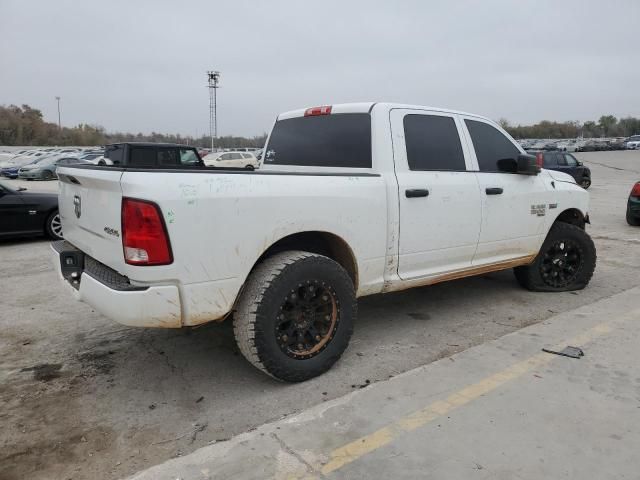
x: 438, y: 195
x: 89, y: 202
x: 513, y: 205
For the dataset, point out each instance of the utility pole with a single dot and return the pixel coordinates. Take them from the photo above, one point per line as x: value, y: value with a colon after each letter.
x: 214, y: 78
x: 59, y: 123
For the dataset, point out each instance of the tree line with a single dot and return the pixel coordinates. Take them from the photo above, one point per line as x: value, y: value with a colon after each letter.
x: 606, y: 126
x: 26, y: 126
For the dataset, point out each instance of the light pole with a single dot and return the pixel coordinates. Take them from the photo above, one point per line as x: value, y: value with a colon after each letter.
x: 213, y: 78
x: 59, y: 123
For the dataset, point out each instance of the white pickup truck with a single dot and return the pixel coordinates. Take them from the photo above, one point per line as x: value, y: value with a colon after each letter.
x: 351, y: 200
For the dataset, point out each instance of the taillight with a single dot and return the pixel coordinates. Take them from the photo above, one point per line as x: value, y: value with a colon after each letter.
x: 324, y: 110
x: 540, y: 159
x: 144, y: 236
x: 635, y: 191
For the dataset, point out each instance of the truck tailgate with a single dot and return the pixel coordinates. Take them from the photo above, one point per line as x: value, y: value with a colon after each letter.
x: 90, y: 203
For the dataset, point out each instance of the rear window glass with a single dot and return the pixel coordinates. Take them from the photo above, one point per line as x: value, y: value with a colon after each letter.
x: 433, y: 143
x: 339, y: 140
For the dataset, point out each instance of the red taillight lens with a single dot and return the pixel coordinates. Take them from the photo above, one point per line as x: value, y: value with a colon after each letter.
x: 324, y: 110
x: 540, y: 159
x: 635, y: 191
x: 144, y: 236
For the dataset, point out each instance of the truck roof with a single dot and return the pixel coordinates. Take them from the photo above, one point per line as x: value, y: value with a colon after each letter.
x: 367, y: 107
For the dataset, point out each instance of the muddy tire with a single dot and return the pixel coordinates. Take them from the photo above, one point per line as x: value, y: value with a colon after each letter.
x: 295, y: 316
x: 566, y: 261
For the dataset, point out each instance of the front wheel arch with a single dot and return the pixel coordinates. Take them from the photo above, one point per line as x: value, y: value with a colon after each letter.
x: 573, y: 216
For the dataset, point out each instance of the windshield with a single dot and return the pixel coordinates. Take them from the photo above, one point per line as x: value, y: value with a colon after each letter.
x: 339, y: 140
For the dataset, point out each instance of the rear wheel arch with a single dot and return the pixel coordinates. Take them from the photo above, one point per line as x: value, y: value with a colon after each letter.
x: 320, y: 242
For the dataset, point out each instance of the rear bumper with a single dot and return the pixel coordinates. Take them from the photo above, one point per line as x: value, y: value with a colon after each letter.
x: 112, y: 294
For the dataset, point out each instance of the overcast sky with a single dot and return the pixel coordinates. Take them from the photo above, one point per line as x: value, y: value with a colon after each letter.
x: 141, y: 65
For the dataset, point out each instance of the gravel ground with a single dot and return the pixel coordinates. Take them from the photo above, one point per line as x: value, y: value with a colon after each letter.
x: 85, y: 398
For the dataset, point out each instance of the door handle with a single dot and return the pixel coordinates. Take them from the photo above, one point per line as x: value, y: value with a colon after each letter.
x: 416, y: 192
x: 493, y: 191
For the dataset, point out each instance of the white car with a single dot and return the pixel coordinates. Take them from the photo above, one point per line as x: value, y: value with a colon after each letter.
x: 351, y: 200
x: 633, y: 143
x: 232, y: 159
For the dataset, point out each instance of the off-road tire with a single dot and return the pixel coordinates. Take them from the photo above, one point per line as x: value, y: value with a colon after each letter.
x: 530, y: 276
x: 255, y: 318
x: 631, y: 220
x: 50, y: 229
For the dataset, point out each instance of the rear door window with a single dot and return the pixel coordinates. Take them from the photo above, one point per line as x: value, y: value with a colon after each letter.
x: 433, y: 143
x: 490, y: 145
x: 334, y: 140
x: 167, y: 157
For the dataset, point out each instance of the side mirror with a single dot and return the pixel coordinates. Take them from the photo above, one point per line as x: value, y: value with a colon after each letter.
x: 580, y: 164
x: 523, y: 165
x: 528, y: 165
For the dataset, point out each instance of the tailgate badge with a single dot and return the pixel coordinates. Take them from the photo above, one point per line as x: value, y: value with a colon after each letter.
x: 77, y: 205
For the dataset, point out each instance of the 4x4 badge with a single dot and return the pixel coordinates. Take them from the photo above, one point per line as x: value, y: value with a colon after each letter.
x: 77, y: 205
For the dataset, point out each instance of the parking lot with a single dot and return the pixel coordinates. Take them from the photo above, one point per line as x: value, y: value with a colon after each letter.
x: 86, y: 398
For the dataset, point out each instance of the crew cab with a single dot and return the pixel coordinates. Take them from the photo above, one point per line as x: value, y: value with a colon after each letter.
x: 351, y: 200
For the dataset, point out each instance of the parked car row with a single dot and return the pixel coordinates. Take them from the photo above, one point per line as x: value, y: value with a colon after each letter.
x: 41, y: 164
x: 582, y: 145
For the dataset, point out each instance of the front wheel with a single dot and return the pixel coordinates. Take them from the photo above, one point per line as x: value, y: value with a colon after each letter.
x: 47, y: 175
x: 53, y: 226
x: 249, y: 167
x: 295, y: 316
x: 585, y: 183
x: 565, y: 262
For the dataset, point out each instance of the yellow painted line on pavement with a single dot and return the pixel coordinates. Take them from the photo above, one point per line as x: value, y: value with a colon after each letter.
x: 356, y: 449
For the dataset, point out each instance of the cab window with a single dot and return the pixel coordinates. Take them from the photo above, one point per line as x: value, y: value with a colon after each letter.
x: 490, y: 145
x: 432, y: 143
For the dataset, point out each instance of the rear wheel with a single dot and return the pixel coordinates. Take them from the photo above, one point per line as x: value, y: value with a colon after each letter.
x: 295, y: 316
x: 47, y: 175
x: 565, y: 262
x: 631, y: 220
x: 53, y: 226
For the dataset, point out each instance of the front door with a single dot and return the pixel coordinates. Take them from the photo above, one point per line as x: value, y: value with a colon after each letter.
x: 514, y: 206
x: 438, y: 195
